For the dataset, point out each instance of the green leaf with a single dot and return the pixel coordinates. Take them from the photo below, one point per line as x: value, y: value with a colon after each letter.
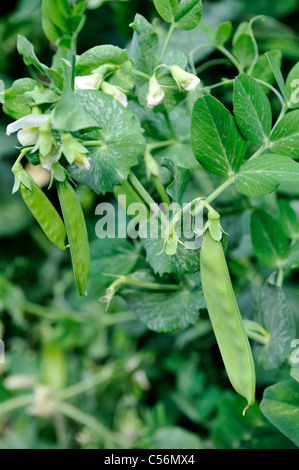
x: 216, y: 141
x: 68, y: 115
x: 268, y: 239
x: 124, y: 76
x: 295, y: 369
x: 100, y: 55
x: 144, y: 49
x: 280, y: 405
x: 263, y: 71
x: 231, y: 430
x: 41, y: 95
x: 262, y: 175
x: 120, y: 142
x: 288, y: 219
x: 110, y: 256
x: 26, y: 49
x: 275, y: 315
x: 183, y: 261
x: 185, y: 14
x: 292, y: 87
x: 16, y: 105
x: 292, y: 256
x: 223, y: 33
x: 244, y: 50
x: 278, y: 75
x: 252, y: 109
x: 166, y: 9
x: 188, y: 14
x: 174, y: 57
x: 132, y: 197
x: 55, y: 15
x: 181, y: 178
x: 285, y: 136
x: 169, y: 310
x: 181, y: 155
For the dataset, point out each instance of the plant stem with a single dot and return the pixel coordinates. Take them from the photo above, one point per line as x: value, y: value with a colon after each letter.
x: 106, y: 373
x: 256, y: 332
x: 116, y: 318
x: 147, y: 285
x: 279, y: 96
x: 281, y: 115
x: 74, y: 51
x: 258, y: 152
x: 169, y: 123
x: 211, y: 63
x: 148, y: 199
x: 157, y: 145
x: 161, y: 190
x: 219, y: 190
x: 90, y: 422
x: 141, y: 74
x: 169, y: 34
x: 216, y: 85
x: 192, y: 52
x: 51, y: 313
x: 176, y: 218
x: 257, y: 337
x: 230, y: 57
x: 16, y: 402
x: 280, y: 276
x: 76, y: 414
x: 200, y: 202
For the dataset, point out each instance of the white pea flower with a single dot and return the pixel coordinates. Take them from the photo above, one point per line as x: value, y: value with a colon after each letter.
x: 88, y: 82
x: 115, y: 92
x: 27, y: 123
x: 155, y: 94
x: 28, y: 136
x: 184, y: 79
x: 33, y: 129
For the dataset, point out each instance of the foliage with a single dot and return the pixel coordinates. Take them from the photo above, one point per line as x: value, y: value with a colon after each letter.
x: 135, y: 363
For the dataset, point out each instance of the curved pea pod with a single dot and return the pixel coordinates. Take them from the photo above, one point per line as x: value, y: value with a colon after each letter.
x: 76, y: 233
x: 226, y: 319
x: 45, y: 214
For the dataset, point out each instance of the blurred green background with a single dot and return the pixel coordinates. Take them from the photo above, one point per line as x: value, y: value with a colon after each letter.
x: 120, y: 385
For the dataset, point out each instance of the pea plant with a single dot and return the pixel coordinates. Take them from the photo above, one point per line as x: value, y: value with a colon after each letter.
x: 140, y: 127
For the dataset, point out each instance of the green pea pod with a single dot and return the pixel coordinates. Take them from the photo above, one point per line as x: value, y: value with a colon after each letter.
x: 226, y: 319
x: 76, y: 233
x: 45, y: 214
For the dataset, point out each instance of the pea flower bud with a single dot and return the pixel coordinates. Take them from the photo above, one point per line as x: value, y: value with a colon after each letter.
x: 184, y: 80
x: 115, y: 92
x: 45, y: 139
x: 89, y: 82
x: 28, y: 136
x: 74, y: 151
x: 155, y: 94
